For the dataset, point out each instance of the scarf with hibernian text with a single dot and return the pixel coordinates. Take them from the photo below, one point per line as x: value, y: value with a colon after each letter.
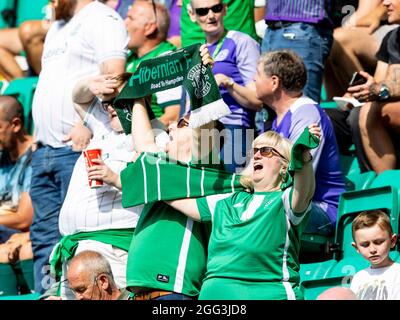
x: 181, y: 67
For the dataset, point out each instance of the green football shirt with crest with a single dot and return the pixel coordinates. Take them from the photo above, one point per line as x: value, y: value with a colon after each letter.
x: 254, y: 246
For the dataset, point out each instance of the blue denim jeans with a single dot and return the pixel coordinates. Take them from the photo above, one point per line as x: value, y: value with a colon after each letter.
x: 318, y: 221
x: 51, y: 172
x: 237, y: 143
x: 311, y: 42
x: 174, y: 296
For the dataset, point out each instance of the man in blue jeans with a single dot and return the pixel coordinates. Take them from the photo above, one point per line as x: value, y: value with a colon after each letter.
x: 78, y: 44
x: 304, y: 26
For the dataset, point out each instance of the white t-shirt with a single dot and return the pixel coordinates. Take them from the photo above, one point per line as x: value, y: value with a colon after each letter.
x: 377, y: 284
x: 72, y: 51
x: 86, y: 209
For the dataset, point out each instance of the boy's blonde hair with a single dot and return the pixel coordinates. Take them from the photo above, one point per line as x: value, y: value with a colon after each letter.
x: 271, y: 139
x: 370, y: 218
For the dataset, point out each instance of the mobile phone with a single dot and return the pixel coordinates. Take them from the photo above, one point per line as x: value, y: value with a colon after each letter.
x: 357, y: 79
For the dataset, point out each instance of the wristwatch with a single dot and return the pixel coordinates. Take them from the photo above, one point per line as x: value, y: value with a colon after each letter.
x: 384, y: 93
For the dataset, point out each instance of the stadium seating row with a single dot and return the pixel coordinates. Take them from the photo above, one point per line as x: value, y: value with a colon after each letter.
x: 14, y: 12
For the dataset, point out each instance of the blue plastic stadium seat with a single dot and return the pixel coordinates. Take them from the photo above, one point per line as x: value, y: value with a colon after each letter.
x: 23, y: 89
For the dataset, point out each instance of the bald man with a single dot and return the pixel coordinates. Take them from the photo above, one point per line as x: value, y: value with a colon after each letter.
x: 16, y: 209
x: 90, y: 278
x: 337, y: 293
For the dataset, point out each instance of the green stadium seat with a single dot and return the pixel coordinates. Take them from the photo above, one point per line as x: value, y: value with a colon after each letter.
x: 349, y: 165
x: 325, y: 103
x: 5, y: 5
x: 30, y: 10
x: 353, y: 202
x: 23, y: 89
x: 30, y: 296
x: 8, y: 280
x: 359, y: 181
x: 387, y: 178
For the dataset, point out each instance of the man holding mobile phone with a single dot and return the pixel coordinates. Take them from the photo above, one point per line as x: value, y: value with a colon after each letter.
x: 379, y: 118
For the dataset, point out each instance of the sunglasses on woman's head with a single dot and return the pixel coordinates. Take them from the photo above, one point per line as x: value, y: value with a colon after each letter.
x: 107, y: 103
x: 268, y: 152
x: 204, y: 11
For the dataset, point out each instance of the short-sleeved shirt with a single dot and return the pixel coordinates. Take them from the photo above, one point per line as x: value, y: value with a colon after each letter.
x: 329, y: 180
x: 255, y: 239
x: 162, y: 99
x: 72, y: 51
x: 237, y: 58
x: 240, y: 17
x: 86, y: 209
x: 389, y: 51
x: 378, y: 283
x: 168, y: 251
x: 309, y: 11
x: 15, y: 178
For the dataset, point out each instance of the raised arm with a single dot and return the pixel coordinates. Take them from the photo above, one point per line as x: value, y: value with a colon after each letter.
x: 87, y: 88
x: 244, y: 95
x: 142, y: 133
x: 187, y: 206
x: 304, y: 180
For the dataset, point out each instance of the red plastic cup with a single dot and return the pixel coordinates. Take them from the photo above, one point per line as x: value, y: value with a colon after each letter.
x: 89, y: 156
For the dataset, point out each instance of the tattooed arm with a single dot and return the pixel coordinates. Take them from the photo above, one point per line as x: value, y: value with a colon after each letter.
x: 388, y: 77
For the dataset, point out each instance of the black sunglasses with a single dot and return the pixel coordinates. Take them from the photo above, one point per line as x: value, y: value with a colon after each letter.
x: 268, y: 152
x: 204, y: 11
x: 107, y: 103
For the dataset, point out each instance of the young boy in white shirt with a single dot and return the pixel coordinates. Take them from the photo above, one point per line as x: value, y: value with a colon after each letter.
x: 373, y: 238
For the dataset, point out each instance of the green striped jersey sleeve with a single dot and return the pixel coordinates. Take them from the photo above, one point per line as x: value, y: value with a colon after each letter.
x: 294, y: 217
x: 207, y: 206
x: 204, y: 210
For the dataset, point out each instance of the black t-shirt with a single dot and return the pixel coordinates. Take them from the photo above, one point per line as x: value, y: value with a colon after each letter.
x: 389, y: 50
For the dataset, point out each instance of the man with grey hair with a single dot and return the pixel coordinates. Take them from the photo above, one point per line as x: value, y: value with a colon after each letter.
x: 147, y: 25
x: 90, y: 278
x: 280, y: 80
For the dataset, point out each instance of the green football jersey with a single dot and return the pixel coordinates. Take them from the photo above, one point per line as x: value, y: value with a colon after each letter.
x: 239, y: 17
x: 254, y: 246
x: 159, y: 101
x: 168, y: 251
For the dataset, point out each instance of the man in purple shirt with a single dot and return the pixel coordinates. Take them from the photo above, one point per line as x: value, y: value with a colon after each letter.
x: 305, y: 27
x: 280, y: 79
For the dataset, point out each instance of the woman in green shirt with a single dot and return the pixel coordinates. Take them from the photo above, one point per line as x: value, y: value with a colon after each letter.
x: 255, y: 240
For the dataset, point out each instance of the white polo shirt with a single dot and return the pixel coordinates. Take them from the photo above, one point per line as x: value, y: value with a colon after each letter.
x: 72, y: 51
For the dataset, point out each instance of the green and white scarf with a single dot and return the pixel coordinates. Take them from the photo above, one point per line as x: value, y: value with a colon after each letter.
x: 155, y: 177
x: 181, y: 67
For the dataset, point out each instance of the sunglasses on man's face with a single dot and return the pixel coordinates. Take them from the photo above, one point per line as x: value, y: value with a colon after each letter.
x: 204, y: 11
x: 106, y: 104
x: 268, y: 152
